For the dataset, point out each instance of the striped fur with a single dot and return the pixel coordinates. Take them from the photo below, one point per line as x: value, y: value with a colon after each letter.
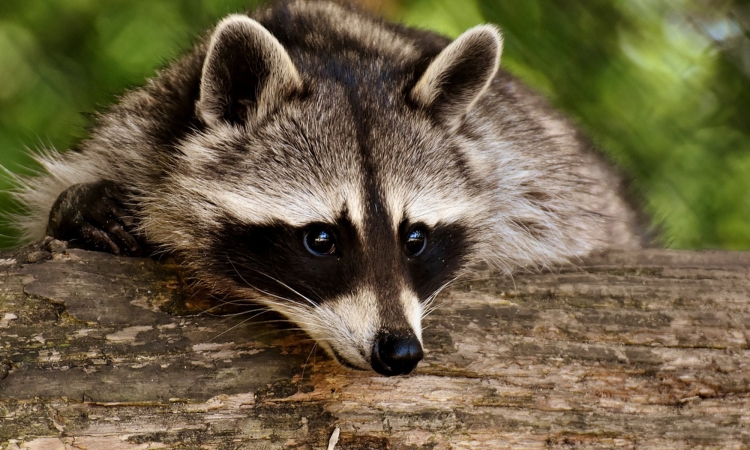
x: 314, y: 113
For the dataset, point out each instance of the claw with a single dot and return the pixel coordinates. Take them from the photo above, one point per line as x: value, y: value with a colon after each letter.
x: 95, y: 216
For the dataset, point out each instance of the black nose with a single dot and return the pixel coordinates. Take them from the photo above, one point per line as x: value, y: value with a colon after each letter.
x: 396, y: 354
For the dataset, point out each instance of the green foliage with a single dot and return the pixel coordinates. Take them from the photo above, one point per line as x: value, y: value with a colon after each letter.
x: 61, y: 60
x: 660, y: 85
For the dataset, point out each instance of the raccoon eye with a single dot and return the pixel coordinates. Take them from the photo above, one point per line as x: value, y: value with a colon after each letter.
x: 320, y: 242
x: 416, y: 241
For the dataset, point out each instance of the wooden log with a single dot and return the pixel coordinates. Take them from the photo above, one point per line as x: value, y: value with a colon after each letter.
x: 627, y: 350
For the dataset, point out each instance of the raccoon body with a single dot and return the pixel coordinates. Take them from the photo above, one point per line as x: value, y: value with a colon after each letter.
x: 338, y: 169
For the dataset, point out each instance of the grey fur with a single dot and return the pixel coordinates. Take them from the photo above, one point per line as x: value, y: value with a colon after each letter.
x: 391, y: 125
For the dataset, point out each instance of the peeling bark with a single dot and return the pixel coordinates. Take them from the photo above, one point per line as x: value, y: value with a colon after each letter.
x: 628, y: 350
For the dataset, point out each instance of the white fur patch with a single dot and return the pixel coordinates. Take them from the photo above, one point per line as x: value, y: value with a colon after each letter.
x: 261, y: 205
x: 413, y: 312
x: 431, y: 204
x: 346, y: 327
x: 297, y: 201
x: 37, y: 195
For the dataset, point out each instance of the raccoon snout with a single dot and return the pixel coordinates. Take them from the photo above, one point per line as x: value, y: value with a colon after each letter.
x: 396, y: 354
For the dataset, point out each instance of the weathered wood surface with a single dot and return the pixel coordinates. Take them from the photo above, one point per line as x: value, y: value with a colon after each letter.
x: 633, y: 350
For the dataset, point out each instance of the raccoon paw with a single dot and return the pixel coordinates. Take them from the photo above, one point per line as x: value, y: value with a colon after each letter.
x: 94, y: 216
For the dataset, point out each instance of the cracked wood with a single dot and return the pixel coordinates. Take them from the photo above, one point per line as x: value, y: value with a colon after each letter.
x: 646, y: 349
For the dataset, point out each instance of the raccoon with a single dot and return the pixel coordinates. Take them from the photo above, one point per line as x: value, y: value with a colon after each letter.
x: 338, y: 169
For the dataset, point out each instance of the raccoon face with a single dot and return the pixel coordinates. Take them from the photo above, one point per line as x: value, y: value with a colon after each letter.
x: 347, y: 211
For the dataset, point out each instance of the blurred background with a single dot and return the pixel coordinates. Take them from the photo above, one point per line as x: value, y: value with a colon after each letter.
x: 661, y: 86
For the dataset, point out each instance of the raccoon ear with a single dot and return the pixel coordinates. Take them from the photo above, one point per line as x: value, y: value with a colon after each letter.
x: 457, y: 77
x: 246, y: 73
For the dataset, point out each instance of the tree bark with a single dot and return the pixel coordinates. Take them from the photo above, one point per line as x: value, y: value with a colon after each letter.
x: 646, y: 349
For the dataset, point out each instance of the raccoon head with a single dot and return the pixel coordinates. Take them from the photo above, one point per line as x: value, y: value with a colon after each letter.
x: 340, y: 199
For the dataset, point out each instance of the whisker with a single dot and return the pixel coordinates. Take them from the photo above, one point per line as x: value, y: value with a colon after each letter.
x: 315, y: 346
x: 255, y: 308
x: 230, y: 329
x: 428, y: 306
x: 312, y: 303
x: 307, y: 299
